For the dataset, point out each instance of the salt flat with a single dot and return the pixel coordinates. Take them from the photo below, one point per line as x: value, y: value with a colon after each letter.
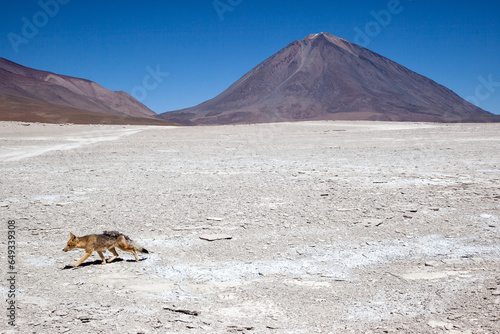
x: 332, y: 227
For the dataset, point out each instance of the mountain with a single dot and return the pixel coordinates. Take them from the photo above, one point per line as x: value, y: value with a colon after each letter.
x: 323, y: 77
x: 32, y: 95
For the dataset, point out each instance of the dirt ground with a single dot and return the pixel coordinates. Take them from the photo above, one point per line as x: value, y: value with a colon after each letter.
x: 316, y: 227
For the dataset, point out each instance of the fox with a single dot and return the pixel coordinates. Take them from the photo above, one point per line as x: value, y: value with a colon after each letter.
x: 102, y: 242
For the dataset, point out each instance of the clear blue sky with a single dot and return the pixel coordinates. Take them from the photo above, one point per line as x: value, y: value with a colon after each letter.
x: 205, y: 47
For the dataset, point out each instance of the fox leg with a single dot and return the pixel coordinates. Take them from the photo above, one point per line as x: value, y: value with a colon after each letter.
x: 135, y: 254
x: 113, y: 250
x: 84, y: 257
x: 102, y: 257
x: 124, y: 245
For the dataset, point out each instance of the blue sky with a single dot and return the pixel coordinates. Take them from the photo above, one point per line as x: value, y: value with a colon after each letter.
x: 176, y: 54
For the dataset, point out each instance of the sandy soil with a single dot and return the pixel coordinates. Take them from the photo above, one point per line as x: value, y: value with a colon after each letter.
x: 319, y: 227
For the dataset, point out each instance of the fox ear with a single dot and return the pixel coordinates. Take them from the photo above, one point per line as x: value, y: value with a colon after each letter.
x: 72, y: 236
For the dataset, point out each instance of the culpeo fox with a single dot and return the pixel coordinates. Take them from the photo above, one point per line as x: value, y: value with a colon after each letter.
x: 102, y: 242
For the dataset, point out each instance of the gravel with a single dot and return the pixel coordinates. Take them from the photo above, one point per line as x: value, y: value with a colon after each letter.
x: 327, y: 227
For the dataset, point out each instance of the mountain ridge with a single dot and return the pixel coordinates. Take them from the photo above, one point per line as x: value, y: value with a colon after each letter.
x: 324, y: 77
x: 62, y: 97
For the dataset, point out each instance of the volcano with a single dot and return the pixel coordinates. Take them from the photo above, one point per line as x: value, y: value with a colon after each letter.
x: 32, y: 95
x: 323, y: 77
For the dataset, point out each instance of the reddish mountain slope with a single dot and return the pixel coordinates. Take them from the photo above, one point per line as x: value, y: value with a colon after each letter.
x: 32, y: 95
x: 324, y: 77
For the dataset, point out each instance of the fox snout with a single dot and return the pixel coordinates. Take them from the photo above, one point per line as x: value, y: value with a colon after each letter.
x: 72, y: 243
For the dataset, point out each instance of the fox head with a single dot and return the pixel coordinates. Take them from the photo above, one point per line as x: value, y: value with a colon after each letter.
x: 72, y: 242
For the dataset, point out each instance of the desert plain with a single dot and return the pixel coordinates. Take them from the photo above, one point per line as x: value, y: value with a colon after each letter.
x: 312, y: 227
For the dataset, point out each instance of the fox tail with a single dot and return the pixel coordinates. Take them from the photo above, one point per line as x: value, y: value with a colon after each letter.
x: 132, y: 243
x: 138, y: 247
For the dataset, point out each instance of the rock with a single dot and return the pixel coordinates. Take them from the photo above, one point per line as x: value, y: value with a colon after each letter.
x: 215, y: 237
x: 61, y: 313
x: 455, y: 316
x: 334, y: 278
x: 314, y: 273
x: 215, y: 219
x: 439, y: 324
x: 432, y: 264
x: 408, y: 208
x: 84, y: 318
x: 424, y: 276
x: 372, y: 222
x: 241, y: 328
x: 183, y: 311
